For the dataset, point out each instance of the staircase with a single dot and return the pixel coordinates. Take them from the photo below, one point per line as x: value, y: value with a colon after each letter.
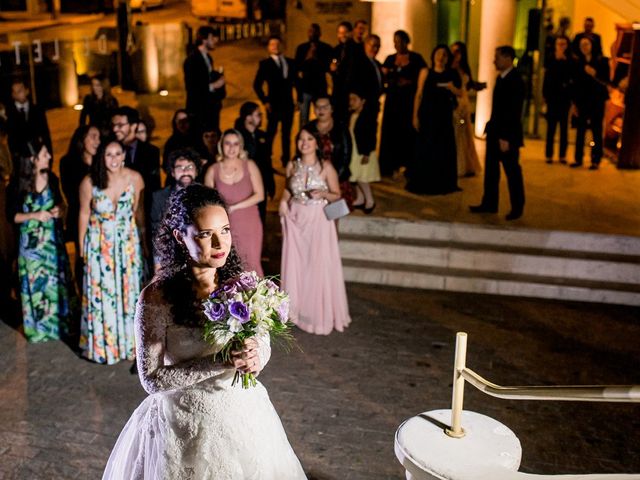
x: 457, y: 257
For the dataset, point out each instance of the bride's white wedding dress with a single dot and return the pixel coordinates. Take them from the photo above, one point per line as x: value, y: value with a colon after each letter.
x: 194, y: 425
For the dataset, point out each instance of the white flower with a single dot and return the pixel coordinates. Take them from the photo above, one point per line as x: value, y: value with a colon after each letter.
x: 221, y: 338
x: 234, y: 325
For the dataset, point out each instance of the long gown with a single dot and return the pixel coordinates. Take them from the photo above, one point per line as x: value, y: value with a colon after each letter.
x: 194, y: 425
x: 246, y: 226
x: 311, y: 265
x: 46, y: 290
x: 112, y: 279
x: 397, y: 136
x: 434, y: 167
x: 468, y: 161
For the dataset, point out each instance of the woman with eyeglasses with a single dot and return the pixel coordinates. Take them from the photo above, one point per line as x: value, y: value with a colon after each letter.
x: 239, y: 182
x: 110, y: 234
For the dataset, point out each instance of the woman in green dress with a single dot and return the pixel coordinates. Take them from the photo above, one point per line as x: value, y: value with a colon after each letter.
x: 36, y: 207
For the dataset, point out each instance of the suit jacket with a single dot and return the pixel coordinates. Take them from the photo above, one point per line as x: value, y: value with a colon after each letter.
x: 312, y: 71
x: 257, y: 147
x: 506, y: 109
x: 21, y: 132
x: 159, y: 206
x: 196, y: 81
x: 147, y: 162
x: 589, y: 93
x: 369, y: 80
x: 364, y: 131
x: 280, y: 90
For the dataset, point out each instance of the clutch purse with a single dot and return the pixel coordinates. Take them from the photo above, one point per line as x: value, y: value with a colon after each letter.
x: 336, y: 210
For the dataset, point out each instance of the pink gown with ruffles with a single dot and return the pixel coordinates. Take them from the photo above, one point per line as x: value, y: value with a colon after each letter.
x: 246, y: 226
x: 311, y: 265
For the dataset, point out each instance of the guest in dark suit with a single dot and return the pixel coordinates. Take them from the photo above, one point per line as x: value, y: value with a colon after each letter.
x: 183, y: 165
x: 205, y: 86
x: 596, y: 41
x: 256, y: 144
x: 504, y: 137
x: 590, y: 93
x: 312, y: 62
x: 556, y: 89
x: 369, y: 83
x: 279, y: 73
x: 26, y: 121
x: 140, y: 156
x: 346, y: 55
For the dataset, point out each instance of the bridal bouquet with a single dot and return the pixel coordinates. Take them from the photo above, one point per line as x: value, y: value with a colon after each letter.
x: 243, y: 307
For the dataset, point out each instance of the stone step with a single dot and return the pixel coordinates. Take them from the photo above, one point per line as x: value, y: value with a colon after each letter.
x: 450, y: 255
x: 481, y: 259
x: 461, y: 233
x: 461, y: 280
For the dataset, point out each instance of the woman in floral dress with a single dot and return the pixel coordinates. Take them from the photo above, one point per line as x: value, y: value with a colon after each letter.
x: 36, y: 206
x: 110, y: 229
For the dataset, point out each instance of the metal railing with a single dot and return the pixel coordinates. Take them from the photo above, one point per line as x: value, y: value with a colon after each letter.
x: 583, y: 393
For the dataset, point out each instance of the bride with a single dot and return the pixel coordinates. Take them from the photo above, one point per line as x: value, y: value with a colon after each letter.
x: 194, y: 425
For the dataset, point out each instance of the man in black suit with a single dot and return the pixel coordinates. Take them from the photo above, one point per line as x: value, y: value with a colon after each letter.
x: 369, y: 77
x: 312, y: 62
x: 504, y: 137
x: 205, y: 85
x: 347, y: 55
x: 596, y: 41
x: 26, y: 121
x: 279, y: 73
x: 256, y: 144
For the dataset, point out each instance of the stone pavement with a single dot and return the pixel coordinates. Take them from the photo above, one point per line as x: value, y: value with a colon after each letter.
x: 341, y: 397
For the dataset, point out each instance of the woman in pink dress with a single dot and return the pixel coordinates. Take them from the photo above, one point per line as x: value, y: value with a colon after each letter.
x: 311, y: 266
x: 238, y: 181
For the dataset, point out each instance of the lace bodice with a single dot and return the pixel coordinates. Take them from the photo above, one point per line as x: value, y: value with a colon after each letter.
x: 170, y: 355
x: 304, y: 179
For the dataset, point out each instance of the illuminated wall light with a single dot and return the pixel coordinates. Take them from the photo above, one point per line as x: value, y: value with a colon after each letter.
x: 164, y: 93
x: 78, y: 106
x: 592, y: 143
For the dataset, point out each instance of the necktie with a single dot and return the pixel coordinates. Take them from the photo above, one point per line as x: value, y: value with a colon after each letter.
x: 23, y: 113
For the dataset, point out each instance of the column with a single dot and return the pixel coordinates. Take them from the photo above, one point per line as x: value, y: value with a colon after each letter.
x: 497, y: 27
x: 630, y: 150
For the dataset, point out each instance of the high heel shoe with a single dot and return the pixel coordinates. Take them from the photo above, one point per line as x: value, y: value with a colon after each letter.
x: 359, y: 206
x: 370, y: 209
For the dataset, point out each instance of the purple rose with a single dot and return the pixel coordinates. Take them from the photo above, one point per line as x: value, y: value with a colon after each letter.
x: 215, y: 311
x: 240, y: 311
x: 247, y: 281
x: 229, y: 289
x: 283, y: 310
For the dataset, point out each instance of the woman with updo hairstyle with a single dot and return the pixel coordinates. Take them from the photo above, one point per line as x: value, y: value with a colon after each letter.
x: 194, y: 423
x: 111, y: 239
x: 239, y: 182
x: 311, y: 265
x: 36, y: 207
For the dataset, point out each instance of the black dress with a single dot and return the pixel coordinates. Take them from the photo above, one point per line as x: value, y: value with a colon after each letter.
x: 397, y: 134
x: 434, y: 167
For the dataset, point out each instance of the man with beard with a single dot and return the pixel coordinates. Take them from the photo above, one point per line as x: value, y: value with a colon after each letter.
x: 183, y: 168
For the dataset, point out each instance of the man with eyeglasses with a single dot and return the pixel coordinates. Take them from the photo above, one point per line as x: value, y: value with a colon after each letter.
x: 183, y: 167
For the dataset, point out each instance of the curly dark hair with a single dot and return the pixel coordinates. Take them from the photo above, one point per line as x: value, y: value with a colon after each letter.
x: 174, y: 275
x: 99, y: 174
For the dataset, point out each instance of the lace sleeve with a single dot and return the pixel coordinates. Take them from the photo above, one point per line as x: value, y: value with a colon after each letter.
x: 264, y: 349
x: 151, y: 327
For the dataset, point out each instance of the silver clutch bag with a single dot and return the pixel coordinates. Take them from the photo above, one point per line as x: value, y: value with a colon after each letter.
x: 337, y: 209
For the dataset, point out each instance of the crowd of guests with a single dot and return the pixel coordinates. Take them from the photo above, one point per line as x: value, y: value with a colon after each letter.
x: 575, y: 89
x: 115, y: 186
